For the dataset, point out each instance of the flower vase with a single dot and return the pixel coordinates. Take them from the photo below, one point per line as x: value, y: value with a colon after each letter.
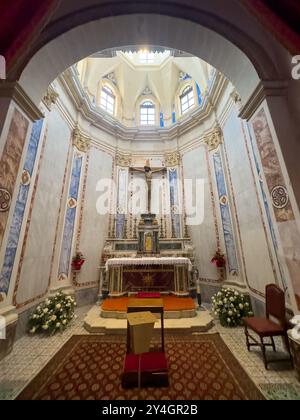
x: 76, y: 265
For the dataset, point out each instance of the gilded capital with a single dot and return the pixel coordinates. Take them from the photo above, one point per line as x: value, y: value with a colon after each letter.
x: 214, y: 138
x: 124, y: 160
x: 81, y: 142
x: 172, y: 159
x: 50, y: 98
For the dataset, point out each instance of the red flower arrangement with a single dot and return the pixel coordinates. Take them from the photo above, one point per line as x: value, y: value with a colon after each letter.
x: 78, y: 261
x: 219, y: 259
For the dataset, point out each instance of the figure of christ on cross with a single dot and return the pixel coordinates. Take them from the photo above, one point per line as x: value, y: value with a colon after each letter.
x: 148, y: 175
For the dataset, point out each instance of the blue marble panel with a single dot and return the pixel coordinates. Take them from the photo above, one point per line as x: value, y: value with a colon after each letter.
x: 18, y: 215
x: 174, y: 200
x: 225, y: 214
x: 267, y: 208
x: 199, y: 94
x: 162, y: 122
x: 70, y: 218
x: 173, y: 117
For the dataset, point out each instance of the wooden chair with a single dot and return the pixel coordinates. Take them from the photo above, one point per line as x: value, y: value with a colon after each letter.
x: 266, y: 327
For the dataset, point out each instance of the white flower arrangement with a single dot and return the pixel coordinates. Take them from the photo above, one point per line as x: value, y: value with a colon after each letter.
x: 231, y: 307
x: 54, y: 315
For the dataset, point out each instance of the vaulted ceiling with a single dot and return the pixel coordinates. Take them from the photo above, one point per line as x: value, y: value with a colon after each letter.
x: 161, y: 79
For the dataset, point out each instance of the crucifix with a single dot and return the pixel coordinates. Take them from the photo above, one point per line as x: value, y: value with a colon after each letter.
x: 148, y: 175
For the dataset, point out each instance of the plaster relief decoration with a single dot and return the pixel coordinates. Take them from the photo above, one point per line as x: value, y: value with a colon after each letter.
x: 18, y: 216
x: 81, y: 142
x: 172, y: 159
x: 147, y: 91
x: 123, y: 160
x: 70, y: 218
x: 283, y: 211
x: 225, y: 215
x: 50, y: 98
x: 9, y: 164
x: 111, y: 76
x: 214, y: 139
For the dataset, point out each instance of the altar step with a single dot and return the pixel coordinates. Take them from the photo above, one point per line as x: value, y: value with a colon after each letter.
x: 96, y: 324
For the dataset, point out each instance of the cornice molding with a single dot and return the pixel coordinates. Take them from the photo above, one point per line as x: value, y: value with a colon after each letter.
x: 13, y: 91
x: 264, y: 90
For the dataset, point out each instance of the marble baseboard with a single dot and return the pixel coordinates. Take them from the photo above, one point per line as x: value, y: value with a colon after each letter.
x: 208, y: 291
x: 22, y: 325
x: 6, y: 346
x: 258, y: 306
x: 87, y: 296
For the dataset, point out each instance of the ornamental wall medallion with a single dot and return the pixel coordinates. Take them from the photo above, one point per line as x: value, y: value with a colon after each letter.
x: 214, y: 139
x: 224, y: 200
x: 72, y: 203
x: 25, y: 178
x: 5, y: 200
x: 280, y: 197
x: 172, y: 159
x: 81, y: 142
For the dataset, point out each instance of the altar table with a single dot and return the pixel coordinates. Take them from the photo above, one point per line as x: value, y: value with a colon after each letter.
x: 148, y: 274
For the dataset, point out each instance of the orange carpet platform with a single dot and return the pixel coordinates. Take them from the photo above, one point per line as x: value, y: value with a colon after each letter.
x: 174, y: 307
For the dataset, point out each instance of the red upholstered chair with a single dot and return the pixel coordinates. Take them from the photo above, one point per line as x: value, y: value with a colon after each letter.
x: 273, y: 325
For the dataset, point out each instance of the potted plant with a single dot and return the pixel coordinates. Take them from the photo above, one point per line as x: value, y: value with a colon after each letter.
x: 78, y: 261
x: 219, y: 259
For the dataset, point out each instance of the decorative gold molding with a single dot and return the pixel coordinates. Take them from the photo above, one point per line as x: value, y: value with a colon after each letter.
x: 13, y: 91
x: 81, y: 142
x: 50, y: 98
x: 124, y: 160
x: 214, y: 139
x: 172, y: 159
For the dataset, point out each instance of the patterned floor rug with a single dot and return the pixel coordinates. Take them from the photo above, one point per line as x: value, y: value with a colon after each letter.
x: 89, y: 367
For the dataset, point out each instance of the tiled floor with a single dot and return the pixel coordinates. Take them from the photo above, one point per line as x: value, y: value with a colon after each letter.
x: 31, y: 354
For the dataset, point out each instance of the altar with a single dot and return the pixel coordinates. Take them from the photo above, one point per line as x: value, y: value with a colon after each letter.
x: 148, y: 274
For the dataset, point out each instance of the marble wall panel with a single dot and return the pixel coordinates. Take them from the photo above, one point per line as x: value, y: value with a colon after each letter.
x: 279, y: 196
x: 17, y: 221
x: 70, y: 217
x: 36, y: 255
x: 205, y: 237
x: 256, y: 253
x: 231, y: 253
x: 93, y: 228
x: 9, y: 165
x: 175, y: 202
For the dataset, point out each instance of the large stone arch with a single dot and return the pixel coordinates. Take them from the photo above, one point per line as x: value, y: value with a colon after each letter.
x: 149, y: 29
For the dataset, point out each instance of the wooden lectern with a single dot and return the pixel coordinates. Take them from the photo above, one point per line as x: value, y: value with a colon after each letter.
x: 148, y: 369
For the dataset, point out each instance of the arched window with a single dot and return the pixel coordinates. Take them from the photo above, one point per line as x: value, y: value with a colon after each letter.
x: 107, y: 100
x: 147, y: 113
x: 187, y: 99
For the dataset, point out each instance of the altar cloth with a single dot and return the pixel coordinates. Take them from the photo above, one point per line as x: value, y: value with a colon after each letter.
x: 119, y: 262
